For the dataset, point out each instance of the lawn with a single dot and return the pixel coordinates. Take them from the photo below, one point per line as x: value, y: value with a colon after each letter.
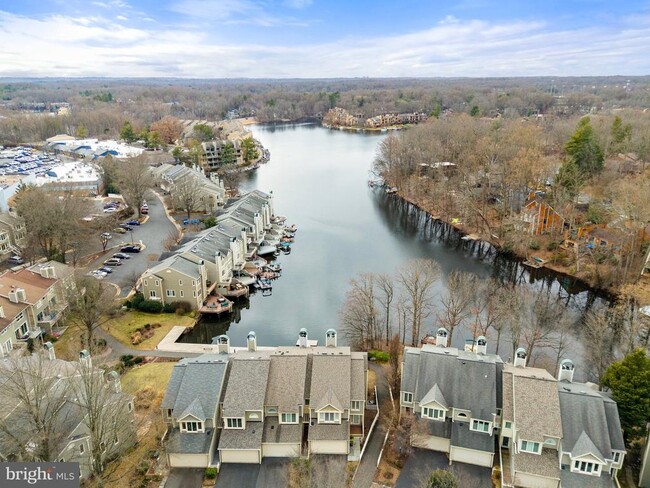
x: 67, y: 347
x: 124, y: 326
x: 154, y: 375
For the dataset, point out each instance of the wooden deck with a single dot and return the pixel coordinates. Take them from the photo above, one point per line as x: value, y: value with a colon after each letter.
x: 216, y: 304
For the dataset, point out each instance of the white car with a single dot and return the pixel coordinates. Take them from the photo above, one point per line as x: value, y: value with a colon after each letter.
x: 106, y: 235
x: 110, y: 210
x: 100, y: 275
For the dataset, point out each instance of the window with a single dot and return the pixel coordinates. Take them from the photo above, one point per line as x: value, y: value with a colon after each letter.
x: 329, y: 417
x: 407, y: 397
x: 528, y: 446
x: 191, y: 426
x: 617, y: 457
x: 171, y: 293
x: 182, y: 294
x: 193, y: 282
x: 157, y: 282
x: 480, y: 426
x: 433, y: 413
x: 152, y: 294
x: 170, y: 411
x: 180, y: 282
x: 146, y: 283
x: 508, y: 424
x: 130, y: 407
x: 234, y: 423
x: 81, y: 448
x: 288, y: 418
x: 586, y: 467
x: 355, y: 419
x: 271, y: 410
x: 355, y: 405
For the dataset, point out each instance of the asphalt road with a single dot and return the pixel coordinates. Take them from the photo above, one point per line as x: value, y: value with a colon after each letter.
x: 153, y: 234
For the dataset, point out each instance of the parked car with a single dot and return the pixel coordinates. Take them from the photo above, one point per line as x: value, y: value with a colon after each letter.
x: 113, y: 262
x: 105, y: 269
x: 121, y: 255
x: 120, y: 230
x: 131, y: 248
x: 16, y: 260
x: 100, y: 275
x: 144, y: 210
x: 126, y: 227
x: 133, y: 222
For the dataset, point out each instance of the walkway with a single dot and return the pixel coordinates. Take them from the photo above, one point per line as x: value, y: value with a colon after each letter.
x: 368, y: 466
x: 118, y: 349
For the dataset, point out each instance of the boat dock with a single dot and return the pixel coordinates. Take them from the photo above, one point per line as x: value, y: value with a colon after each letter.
x: 216, y: 304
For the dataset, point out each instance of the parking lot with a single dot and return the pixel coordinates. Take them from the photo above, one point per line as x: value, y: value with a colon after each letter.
x: 151, y: 234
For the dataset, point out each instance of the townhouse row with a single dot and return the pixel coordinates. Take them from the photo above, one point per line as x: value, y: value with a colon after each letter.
x: 210, y: 191
x: 243, y: 405
x: 32, y: 302
x: 213, y: 259
x: 544, y: 432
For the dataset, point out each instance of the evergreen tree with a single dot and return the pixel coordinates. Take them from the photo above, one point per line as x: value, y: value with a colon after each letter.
x: 620, y: 135
x: 583, y: 149
x: 127, y: 133
x: 442, y: 478
x: 629, y: 380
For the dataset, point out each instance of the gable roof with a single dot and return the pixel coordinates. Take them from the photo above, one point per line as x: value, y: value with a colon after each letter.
x: 330, y: 379
x: 195, y: 386
x: 286, y: 384
x: 247, y: 384
x: 584, y: 445
x: 434, y: 395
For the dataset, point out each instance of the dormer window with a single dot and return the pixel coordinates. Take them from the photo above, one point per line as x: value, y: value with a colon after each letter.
x: 407, y: 397
x: 329, y: 418
x: 355, y: 405
x: 529, y: 446
x: 289, y: 418
x: 234, y: 423
x: 617, y: 457
x: 480, y: 426
x: 433, y: 413
x: 192, y: 426
x: 586, y: 467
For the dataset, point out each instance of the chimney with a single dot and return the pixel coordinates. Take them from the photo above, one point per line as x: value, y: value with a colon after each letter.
x: 84, y: 358
x: 520, y: 357
x: 330, y: 338
x: 302, y: 338
x: 441, y: 337
x: 48, y: 272
x: 566, y: 371
x: 481, y: 345
x: 114, y: 379
x: 251, y: 341
x: 223, y: 344
x: 50, y: 351
x: 13, y: 296
x: 21, y: 295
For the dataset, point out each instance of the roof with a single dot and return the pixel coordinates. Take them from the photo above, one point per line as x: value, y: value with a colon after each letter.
x: 35, y: 286
x: 281, y: 433
x: 61, y: 270
x: 330, y: 379
x: 188, y: 392
x: 248, y: 438
x: 464, y: 380
x: 177, y: 263
x: 286, y: 382
x: 586, y: 418
x: 246, y: 385
x: 358, y: 387
x: 189, y: 443
x: 434, y: 395
x: 329, y: 432
x: 10, y: 310
x: 545, y: 464
x: 578, y: 480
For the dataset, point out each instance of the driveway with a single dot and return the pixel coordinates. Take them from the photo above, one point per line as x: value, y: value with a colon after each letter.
x: 184, y: 478
x: 421, y: 462
x: 273, y: 472
x: 153, y: 234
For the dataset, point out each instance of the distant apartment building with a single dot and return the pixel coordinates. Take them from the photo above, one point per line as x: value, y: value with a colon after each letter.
x: 210, y: 190
x: 220, y: 152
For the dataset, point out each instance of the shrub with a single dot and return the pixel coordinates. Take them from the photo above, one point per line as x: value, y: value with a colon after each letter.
x: 150, y: 306
x: 534, y: 245
x: 552, y: 246
x: 210, y: 473
x: 181, y: 307
x: 379, y: 356
x: 145, y: 397
x: 168, y: 308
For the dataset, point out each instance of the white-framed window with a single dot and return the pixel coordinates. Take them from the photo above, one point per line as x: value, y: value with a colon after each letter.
x: 433, y: 413
x: 407, y: 397
x: 508, y: 424
x: 146, y: 283
x: 194, y: 294
x: 617, y: 457
x: 7, y: 346
x: 529, y: 446
x: 480, y: 425
x: 355, y: 419
x: 271, y: 410
x: 288, y: 418
x: 171, y: 293
x: 157, y: 282
x: 170, y: 412
x: 192, y: 426
x: 193, y: 282
x: 152, y: 294
x: 586, y: 467
x: 81, y: 448
x: 182, y: 294
x: 180, y: 282
x: 329, y: 417
x: 355, y: 405
x: 234, y: 423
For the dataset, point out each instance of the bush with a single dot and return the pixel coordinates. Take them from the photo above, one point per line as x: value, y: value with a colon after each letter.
x: 150, y: 306
x: 552, y: 246
x: 534, y: 245
x: 210, y: 473
x: 379, y: 356
x: 168, y: 308
x: 181, y: 307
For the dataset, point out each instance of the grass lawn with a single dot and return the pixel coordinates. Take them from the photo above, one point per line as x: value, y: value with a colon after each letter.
x: 124, y: 326
x: 155, y: 375
x: 67, y: 347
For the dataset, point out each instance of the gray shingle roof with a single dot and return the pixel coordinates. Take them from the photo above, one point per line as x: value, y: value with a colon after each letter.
x: 195, y: 410
x: 281, y: 433
x: 578, y: 480
x: 189, y: 443
x: 545, y: 464
x: 358, y: 388
x: 246, y: 385
x: 196, y: 379
x: 286, y: 385
x: 434, y: 395
x: 334, y: 432
x: 330, y: 379
x: 461, y: 436
x: 586, y: 418
x: 248, y: 438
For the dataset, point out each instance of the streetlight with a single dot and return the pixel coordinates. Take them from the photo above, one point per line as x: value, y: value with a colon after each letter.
x: 131, y: 231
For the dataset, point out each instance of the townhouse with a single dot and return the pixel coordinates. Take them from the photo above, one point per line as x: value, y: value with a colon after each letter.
x: 32, y: 301
x: 211, y: 191
x: 212, y: 260
x: 267, y: 402
x: 557, y: 432
x: 455, y: 396
x: 60, y: 386
x: 13, y: 235
x: 220, y: 152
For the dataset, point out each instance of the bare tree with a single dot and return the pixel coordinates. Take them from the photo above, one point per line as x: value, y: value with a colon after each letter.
x: 173, y: 236
x: 395, y: 359
x: 457, y: 300
x: 385, y: 284
x: 542, y: 315
x: 359, y: 313
x: 135, y: 181
x: 417, y: 277
x: 187, y: 197
x: 89, y: 303
x: 600, y: 343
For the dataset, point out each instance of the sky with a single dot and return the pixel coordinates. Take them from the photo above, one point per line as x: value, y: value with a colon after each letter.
x: 323, y: 38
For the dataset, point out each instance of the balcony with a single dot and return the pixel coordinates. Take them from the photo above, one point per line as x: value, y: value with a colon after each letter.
x: 49, y: 318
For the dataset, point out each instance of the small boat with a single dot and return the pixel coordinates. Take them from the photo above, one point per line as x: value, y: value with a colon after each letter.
x: 284, y: 245
x: 264, y: 284
x: 391, y: 190
x: 288, y: 234
x: 263, y: 250
x: 276, y: 268
x: 279, y: 219
x: 534, y: 262
x: 287, y: 239
x: 286, y: 250
x: 291, y: 228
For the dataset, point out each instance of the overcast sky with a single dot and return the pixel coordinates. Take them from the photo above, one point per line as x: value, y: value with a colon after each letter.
x: 323, y: 38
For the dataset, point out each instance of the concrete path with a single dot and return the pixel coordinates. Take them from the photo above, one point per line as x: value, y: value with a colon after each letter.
x: 368, y: 466
x: 118, y: 349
